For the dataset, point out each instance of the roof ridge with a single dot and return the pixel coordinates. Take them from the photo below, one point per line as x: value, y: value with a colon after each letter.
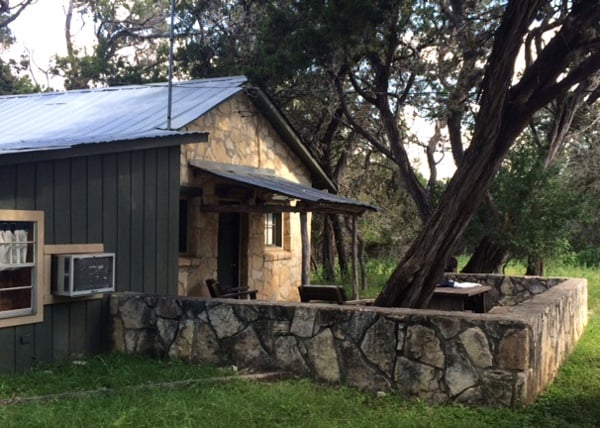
x: 138, y: 86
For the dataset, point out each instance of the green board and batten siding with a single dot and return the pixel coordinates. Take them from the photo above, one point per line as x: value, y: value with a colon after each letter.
x: 128, y: 201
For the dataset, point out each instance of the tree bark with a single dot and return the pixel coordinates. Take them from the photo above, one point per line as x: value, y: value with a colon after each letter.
x: 361, y: 262
x: 327, y: 249
x: 487, y: 257
x: 535, y: 266
x: 340, y: 247
x: 504, y: 113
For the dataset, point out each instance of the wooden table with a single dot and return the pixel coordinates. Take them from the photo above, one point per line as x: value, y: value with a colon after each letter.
x: 461, y: 299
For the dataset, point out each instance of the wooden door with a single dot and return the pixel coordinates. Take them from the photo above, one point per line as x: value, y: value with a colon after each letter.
x: 228, y: 265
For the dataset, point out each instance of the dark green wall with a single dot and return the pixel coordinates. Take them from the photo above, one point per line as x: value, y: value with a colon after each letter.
x: 129, y: 201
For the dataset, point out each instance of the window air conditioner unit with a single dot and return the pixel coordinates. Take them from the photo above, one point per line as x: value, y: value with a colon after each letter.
x: 84, y: 274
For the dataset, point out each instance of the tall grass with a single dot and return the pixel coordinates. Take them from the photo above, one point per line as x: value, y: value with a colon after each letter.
x: 128, y: 392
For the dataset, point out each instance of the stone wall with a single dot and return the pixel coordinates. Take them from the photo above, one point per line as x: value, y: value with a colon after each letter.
x: 502, y: 358
x: 508, y: 290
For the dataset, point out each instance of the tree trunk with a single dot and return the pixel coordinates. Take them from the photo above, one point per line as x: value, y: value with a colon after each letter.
x: 504, y: 112
x: 327, y: 250
x: 413, y: 281
x: 535, y: 266
x: 361, y: 262
x: 487, y: 257
x: 340, y: 247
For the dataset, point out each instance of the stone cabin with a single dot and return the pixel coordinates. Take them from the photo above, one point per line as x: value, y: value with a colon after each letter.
x: 238, y: 223
x: 213, y: 184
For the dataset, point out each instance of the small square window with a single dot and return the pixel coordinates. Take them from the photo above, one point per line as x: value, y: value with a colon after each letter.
x: 273, y: 230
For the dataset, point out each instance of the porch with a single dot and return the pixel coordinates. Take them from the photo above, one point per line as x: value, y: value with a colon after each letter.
x: 247, y: 227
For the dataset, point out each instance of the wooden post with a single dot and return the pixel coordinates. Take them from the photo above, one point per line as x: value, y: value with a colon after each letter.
x: 305, y: 249
x: 354, y: 258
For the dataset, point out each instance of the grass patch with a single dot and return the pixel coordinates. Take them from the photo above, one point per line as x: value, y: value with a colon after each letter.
x: 133, y: 399
x: 102, y: 371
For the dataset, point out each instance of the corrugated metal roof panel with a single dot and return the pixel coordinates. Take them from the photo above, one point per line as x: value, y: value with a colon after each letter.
x: 267, y: 181
x: 64, y: 119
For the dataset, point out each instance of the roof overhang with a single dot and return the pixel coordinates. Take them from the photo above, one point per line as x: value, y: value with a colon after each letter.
x: 305, y: 198
x: 63, y: 151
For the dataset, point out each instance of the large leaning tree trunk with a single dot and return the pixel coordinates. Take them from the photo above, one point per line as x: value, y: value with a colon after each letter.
x: 505, y: 110
x: 487, y: 257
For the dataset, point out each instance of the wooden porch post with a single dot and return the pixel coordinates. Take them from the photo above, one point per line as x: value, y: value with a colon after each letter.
x: 354, y: 258
x: 305, y: 249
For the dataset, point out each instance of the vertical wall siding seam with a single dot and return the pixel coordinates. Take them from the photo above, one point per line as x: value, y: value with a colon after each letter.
x: 11, y: 188
x: 157, y: 221
x: 173, y: 191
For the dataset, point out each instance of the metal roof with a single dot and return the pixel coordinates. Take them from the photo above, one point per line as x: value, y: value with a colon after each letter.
x: 266, y: 180
x: 58, y: 120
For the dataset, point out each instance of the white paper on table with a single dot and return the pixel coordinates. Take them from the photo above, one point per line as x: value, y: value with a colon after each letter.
x: 466, y: 284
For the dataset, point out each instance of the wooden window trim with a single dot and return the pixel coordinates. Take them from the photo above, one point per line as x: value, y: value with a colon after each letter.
x: 36, y: 217
x: 275, y: 227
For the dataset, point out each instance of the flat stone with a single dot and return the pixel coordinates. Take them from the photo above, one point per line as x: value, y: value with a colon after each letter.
x: 168, y: 308
x: 288, y: 356
x: 321, y: 351
x: 358, y: 372
x: 477, y: 347
x: 280, y: 328
x: 506, y: 287
x: 206, y: 346
x: 167, y: 329
x: 358, y: 324
x: 415, y: 379
x: 449, y: 327
x: 423, y: 345
x: 118, y: 336
x: 498, y: 386
x: 379, y: 344
x: 304, y: 322
x: 224, y: 321
x: 400, y: 336
x: 460, y: 374
x: 134, y: 313
x: 182, y: 345
x: 247, y: 351
x: 513, y: 350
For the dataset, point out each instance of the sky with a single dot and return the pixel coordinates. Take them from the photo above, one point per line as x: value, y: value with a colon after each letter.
x: 39, y: 30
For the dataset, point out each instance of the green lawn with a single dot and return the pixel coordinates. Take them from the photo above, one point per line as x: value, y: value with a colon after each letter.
x: 125, y: 391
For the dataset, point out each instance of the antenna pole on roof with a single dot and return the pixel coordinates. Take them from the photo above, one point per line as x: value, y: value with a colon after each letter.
x: 171, y: 41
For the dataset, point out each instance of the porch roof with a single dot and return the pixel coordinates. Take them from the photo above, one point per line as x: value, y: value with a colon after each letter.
x: 309, y: 198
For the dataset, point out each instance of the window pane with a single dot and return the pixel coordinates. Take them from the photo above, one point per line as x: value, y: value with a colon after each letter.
x: 273, y: 235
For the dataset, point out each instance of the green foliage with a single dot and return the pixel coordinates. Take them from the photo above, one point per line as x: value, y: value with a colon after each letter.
x: 387, y: 233
x: 535, y: 206
x: 583, y: 174
x: 12, y: 83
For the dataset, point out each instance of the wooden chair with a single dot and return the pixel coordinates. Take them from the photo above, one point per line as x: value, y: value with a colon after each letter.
x: 216, y: 290
x: 322, y: 293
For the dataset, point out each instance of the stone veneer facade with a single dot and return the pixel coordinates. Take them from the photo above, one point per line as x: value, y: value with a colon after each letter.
x: 240, y: 135
x: 502, y: 358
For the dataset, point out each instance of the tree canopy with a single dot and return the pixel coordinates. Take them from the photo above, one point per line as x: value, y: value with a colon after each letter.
x: 486, y: 77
